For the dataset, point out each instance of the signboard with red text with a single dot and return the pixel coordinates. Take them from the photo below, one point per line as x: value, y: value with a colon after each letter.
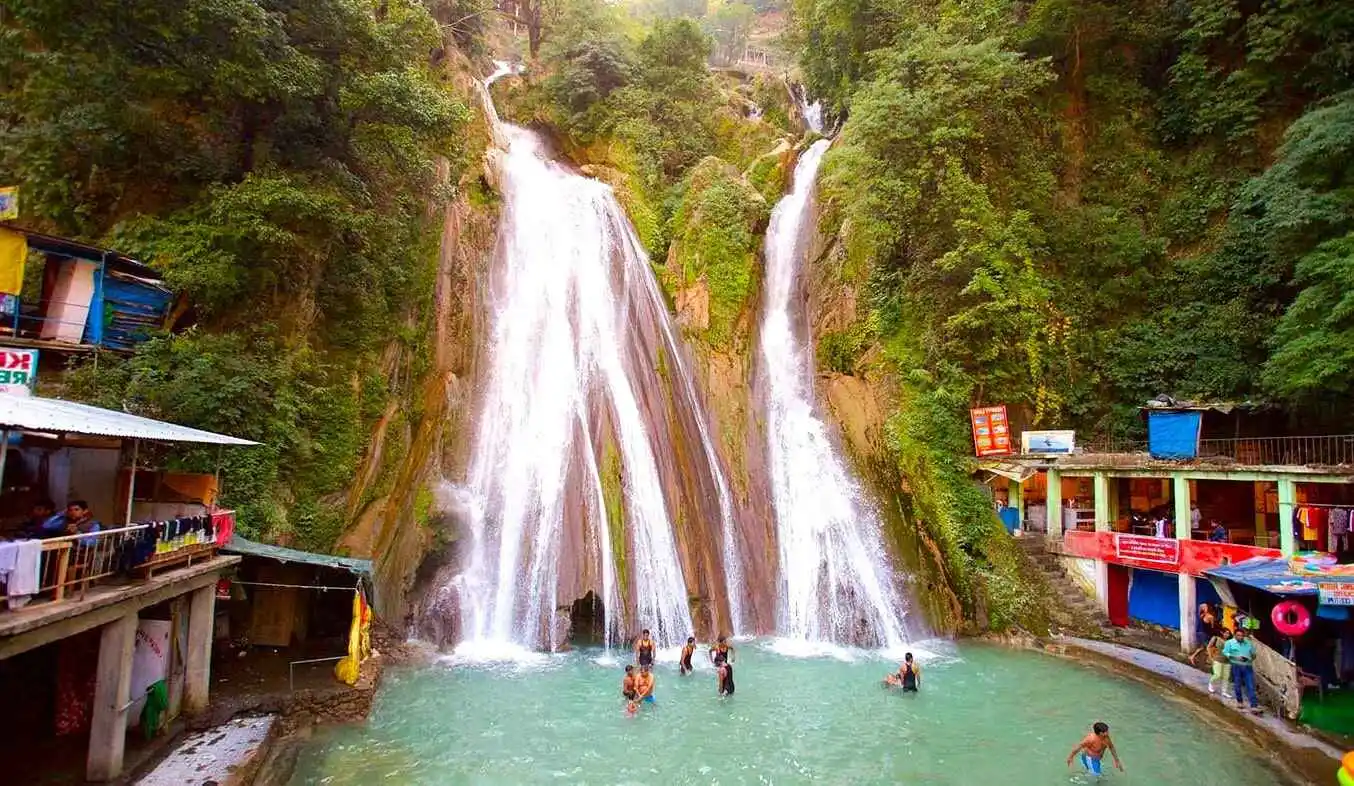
x: 991, y: 431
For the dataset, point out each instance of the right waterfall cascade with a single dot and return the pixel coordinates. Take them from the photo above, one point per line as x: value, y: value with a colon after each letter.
x: 836, y: 581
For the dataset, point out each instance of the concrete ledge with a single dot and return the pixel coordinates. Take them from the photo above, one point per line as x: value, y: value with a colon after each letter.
x: 33, y: 626
x: 1306, y: 757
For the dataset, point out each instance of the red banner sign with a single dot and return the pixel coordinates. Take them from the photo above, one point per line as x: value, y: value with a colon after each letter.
x: 1163, y: 551
x: 991, y: 431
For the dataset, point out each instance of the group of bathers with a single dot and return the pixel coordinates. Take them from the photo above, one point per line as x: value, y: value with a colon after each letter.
x: 645, y: 649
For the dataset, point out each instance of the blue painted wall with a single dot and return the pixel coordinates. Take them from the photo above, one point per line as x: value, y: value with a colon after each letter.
x: 1154, y: 597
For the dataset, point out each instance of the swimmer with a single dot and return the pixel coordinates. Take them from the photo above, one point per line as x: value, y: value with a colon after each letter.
x: 725, y: 674
x: 644, y: 684
x: 628, y: 688
x: 909, y: 674
x: 1092, y: 749
x: 685, y: 665
x: 721, y: 652
x: 644, y: 648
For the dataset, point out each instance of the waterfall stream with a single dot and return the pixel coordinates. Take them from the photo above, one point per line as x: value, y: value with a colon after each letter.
x: 585, y: 398
x: 835, y: 583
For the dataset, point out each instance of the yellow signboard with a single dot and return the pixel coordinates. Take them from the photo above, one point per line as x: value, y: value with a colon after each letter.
x: 9, y: 203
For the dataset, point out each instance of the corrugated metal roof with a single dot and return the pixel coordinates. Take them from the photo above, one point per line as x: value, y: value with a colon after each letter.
x: 33, y: 413
x: 239, y: 545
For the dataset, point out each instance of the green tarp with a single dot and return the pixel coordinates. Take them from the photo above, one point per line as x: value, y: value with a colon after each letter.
x: 239, y: 545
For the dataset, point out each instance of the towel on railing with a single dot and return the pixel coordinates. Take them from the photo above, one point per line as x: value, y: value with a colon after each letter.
x: 20, y: 569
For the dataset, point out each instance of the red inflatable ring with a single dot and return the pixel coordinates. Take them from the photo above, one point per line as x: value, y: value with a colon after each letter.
x: 1291, y: 618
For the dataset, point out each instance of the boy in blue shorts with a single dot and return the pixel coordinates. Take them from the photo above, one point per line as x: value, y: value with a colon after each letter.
x: 1092, y: 749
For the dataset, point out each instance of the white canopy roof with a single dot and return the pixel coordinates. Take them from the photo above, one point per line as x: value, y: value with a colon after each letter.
x: 32, y: 413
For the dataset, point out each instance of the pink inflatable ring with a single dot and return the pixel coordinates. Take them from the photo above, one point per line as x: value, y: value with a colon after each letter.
x: 1291, y: 618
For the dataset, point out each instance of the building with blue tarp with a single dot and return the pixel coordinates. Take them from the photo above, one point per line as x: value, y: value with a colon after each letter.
x: 83, y: 298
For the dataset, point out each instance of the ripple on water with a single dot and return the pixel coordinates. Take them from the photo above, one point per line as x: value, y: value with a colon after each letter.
x: 985, y: 715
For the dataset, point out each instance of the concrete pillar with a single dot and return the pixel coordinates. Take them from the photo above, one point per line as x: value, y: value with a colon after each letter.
x: 1017, y: 501
x: 198, y: 658
x: 1288, y: 498
x: 1102, y: 585
x: 178, y: 643
x: 1189, y: 598
x: 1055, y: 503
x: 1180, y: 496
x: 1102, y: 502
x: 108, y: 726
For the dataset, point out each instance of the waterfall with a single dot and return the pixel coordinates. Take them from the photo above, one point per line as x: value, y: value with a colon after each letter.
x: 583, y: 380
x: 835, y: 580
x: 812, y: 111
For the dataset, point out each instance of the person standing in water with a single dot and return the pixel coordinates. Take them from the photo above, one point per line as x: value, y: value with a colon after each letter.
x: 644, y: 684
x: 721, y: 652
x: 628, y: 687
x: 909, y: 674
x: 644, y: 649
x: 1092, y: 749
x: 725, y: 675
x: 685, y: 665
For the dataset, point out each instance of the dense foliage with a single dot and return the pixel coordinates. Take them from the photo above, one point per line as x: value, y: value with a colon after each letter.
x: 274, y: 159
x: 1069, y: 206
x: 641, y: 104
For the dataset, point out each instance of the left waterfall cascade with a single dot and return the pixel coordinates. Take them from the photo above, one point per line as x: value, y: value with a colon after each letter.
x: 591, y: 442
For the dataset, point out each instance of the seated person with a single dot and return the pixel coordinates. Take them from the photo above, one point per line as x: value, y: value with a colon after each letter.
x: 1218, y: 533
x: 77, y: 520
x: 34, y: 525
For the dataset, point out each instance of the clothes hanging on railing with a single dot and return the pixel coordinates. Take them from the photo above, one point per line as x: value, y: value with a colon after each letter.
x: 1326, y: 526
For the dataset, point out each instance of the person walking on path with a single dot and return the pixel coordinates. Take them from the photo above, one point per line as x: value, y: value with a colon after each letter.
x: 1240, y: 652
x: 1222, y: 668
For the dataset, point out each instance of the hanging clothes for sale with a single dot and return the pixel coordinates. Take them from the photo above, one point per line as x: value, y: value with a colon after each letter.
x: 1337, y: 539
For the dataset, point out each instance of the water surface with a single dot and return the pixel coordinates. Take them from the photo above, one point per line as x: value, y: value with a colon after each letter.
x: 985, y: 715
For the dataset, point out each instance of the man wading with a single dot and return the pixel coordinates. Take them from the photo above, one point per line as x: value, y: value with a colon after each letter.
x: 644, y: 648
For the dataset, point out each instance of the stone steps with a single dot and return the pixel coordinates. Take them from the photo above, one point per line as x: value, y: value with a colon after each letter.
x: 1077, y: 610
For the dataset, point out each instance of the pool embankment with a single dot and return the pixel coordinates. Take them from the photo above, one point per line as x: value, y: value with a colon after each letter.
x: 1303, y: 757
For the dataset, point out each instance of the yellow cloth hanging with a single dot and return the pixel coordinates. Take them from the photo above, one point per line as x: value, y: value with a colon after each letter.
x: 359, y: 642
x: 13, y: 254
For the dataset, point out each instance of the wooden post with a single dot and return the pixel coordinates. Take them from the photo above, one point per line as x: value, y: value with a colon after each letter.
x: 198, y: 658
x: 108, y: 727
x: 131, y: 484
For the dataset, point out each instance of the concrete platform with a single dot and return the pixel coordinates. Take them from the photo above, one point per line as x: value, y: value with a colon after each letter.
x: 1197, y: 681
x: 225, y: 755
x: 42, y: 623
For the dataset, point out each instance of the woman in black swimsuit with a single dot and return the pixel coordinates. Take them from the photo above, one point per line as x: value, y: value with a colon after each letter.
x: 685, y: 665
x: 726, y: 679
x: 644, y: 649
x: 719, y: 653
x: 909, y: 675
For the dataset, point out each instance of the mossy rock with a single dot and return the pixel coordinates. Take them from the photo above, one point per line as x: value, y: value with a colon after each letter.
x: 770, y: 173
x: 716, y: 232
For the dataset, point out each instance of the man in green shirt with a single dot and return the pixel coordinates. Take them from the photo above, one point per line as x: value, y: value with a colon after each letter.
x: 1240, y: 652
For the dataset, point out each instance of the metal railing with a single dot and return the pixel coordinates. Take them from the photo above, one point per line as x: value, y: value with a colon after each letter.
x: 73, y: 562
x: 1324, y: 451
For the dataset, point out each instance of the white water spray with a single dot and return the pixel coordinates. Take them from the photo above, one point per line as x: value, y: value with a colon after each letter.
x: 835, y: 577
x: 575, y: 311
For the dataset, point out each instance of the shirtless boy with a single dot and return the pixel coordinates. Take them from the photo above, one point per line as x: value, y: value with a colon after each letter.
x: 644, y: 684
x: 628, y: 688
x: 1092, y: 749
